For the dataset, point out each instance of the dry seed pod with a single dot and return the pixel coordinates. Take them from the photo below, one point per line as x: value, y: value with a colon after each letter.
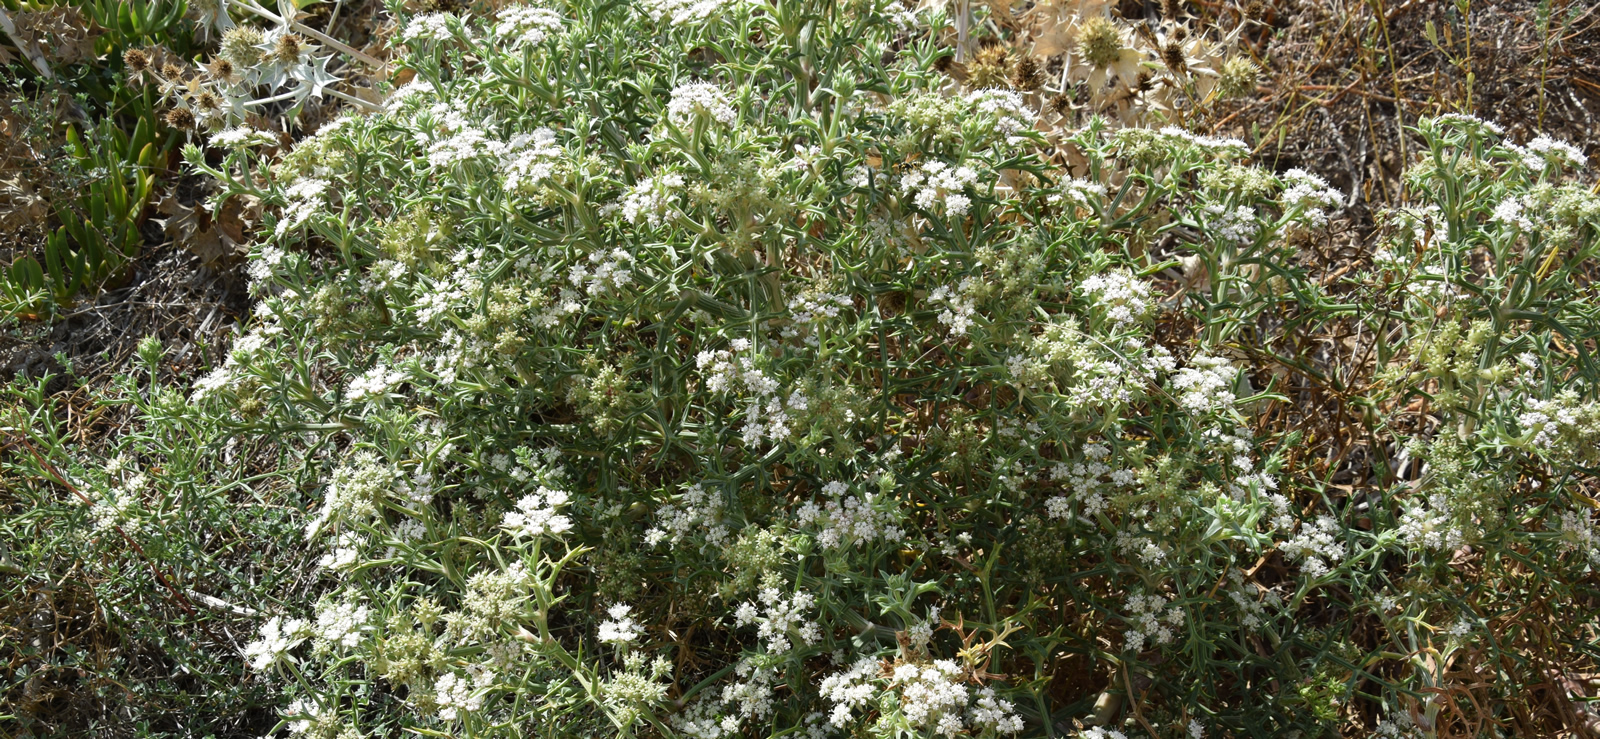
x: 137, y: 60
x: 1027, y: 76
x: 180, y: 118
x: 1172, y: 56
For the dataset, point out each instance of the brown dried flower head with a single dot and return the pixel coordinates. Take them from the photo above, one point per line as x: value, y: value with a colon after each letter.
x: 1027, y: 76
x: 222, y: 69
x: 180, y: 118
x: 137, y: 60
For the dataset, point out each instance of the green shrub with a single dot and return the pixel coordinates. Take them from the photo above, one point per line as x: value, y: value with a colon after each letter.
x: 714, y: 370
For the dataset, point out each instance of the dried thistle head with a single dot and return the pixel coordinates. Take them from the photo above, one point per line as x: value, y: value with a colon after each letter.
x: 137, y: 60
x: 1171, y: 10
x: 287, y: 48
x: 1027, y: 76
x: 1172, y: 56
x: 1238, y: 77
x: 1060, y: 104
x: 223, y: 70
x: 172, y: 71
x: 180, y: 118
x: 989, y: 67
x: 208, y: 102
x: 1100, y: 42
x: 1255, y: 10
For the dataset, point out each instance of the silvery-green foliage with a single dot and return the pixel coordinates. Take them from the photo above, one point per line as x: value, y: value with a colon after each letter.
x: 704, y: 370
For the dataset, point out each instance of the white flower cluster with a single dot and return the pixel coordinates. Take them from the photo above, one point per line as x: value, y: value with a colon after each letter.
x: 621, y: 630
x: 278, y: 636
x: 117, y: 506
x: 850, y: 521
x: 932, y: 696
x: 1543, y: 151
x: 1120, y: 296
x: 1239, y: 225
x: 307, y: 716
x: 1469, y: 123
x: 1311, y: 193
x: 530, y: 159
x: 1580, y: 534
x: 357, y: 489
x: 1225, y: 147
x: 1084, y: 482
x: 768, y: 415
x: 959, y: 305
x: 526, y: 25
x: 1431, y: 526
x: 375, y: 382
x: 305, y: 198
x: 456, y: 694
x: 778, y: 619
x: 611, y: 271
x: 1401, y: 726
x: 696, y: 509
x: 240, y: 137
x: 850, y: 689
x: 1206, y: 385
x: 1317, y: 546
x: 1251, y: 609
x: 341, y: 623
x: 536, y: 514
x: 1082, y: 192
x: 860, y: 176
x: 648, y: 199
x: 694, y: 100
x: 936, y: 183
x: 1562, y: 428
x: 1510, y: 212
x: 428, y: 27
x: 810, y: 310
x: 1011, y: 115
x: 1095, y: 732
x: 346, y: 552
x: 682, y: 12
x: 1153, y: 619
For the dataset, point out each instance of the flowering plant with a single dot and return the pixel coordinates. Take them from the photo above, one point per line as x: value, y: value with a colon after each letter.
x: 719, y: 369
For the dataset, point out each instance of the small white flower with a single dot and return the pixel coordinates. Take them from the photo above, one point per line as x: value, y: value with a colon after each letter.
x: 691, y: 100
x: 621, y: 630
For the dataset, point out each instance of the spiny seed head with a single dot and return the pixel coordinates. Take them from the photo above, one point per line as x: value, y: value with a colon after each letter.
x: 207, y: 101
x: 1239, y: 76
x: 171, y: 71
x: 180, y: 118
x: 1172, y: 56
x: 1027, y: 75
x: 1060, y: 104
x: 988, y: 68
x: 1171, y: 9
x: 1100, y: 42
x: 1255, y: 10
x: 222, y: 69
x: 288, y: 48
x: 138, y: 60
x: 991, y: 52
x: 1180, y: 33
x: 239, y: 46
